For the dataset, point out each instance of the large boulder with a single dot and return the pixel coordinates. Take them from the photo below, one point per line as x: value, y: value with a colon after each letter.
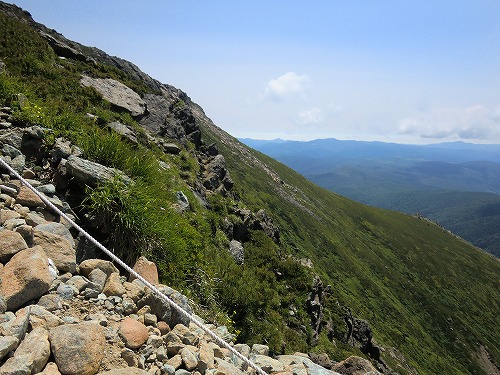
x: 36, y: 345
x: 10, y: 243
x: 25, y: 277
x: 133, y: 333
x: 162, y: 309
x: 57, y: 248
x: 89, y: 173
x: 78, y: 349
x: 27, y: 197
x: 56, y: 228
x: 117, y: 94
x: 311, y: 367
x: 106, y: 266
x: 355, y: 366
x: 146, y: 269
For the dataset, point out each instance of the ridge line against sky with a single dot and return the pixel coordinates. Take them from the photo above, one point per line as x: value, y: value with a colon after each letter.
x: 407, y: 72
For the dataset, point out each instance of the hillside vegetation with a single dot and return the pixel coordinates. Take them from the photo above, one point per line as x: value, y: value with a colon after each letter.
x: 455, y: 184
x: 431, y: 299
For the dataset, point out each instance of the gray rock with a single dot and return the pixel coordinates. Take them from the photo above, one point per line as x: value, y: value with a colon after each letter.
x: 355, y: 366
x: 34, y: 219
x: 171, y: 148
x: 126, y: 371
x: 18, y: 365
x: 162, y: 309
x: 117, y: 94
x: 35, y: 131
x: 98, y: 278
x: 19, y: 326
x: 48, y: 189
x: 61, y: 150
x: 37, y: 346
x: 78, y: 282
x: 89, y: 173
x: 13, y: 224
x: 123, y: 130
x: 267, y: 364
x: 237, y: 251
x: 189, y: 358
x: 78, y: 348
x: 3, y: 304
x: 66, y: 292
x: 18, y: 163
x: 7, y: 344
x: 311, y: 367
x: 182, y: 200
x: 41, y: 317
x: 224, y: 334
x: 227, y: 368
x: 56, y: 228
x: 244, y: 350
x: 167, y: 369
x: 12, y: 137
x: 260, y: 349
x: 50, y: 302
x: 10, y: 151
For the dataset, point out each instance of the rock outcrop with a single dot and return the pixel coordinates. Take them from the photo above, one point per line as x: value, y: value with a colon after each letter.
x: 121, y: 96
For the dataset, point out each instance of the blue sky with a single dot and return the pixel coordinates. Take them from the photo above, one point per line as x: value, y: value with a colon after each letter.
x: 401, y: 71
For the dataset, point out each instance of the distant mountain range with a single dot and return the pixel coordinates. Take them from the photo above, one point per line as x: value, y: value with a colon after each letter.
x: 456, y: 184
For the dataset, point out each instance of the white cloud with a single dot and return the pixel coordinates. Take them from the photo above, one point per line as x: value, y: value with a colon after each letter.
x: 287, y: 84
x: 476, y: 122
x: 311, y: 116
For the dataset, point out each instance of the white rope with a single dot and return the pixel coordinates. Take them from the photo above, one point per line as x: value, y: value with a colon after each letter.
x: 163, y: 296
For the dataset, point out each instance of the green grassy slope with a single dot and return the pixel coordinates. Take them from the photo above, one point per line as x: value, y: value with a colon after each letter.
x: 429, y: 294
x: 424, y: 292
x: 471, y: 215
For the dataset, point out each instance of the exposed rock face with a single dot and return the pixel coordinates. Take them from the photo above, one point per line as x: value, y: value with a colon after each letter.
x: 181, y: 124
x: 237, y: 251
x: 247, y: 220
x: 217, y: 174
x: 158, y: 109
x: 26, y: 276
x: 64, y: 50
x: 315, y: 306
x: 117, y: 94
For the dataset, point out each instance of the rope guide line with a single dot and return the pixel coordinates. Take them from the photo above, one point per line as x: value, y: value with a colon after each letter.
x: 163, y: 296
